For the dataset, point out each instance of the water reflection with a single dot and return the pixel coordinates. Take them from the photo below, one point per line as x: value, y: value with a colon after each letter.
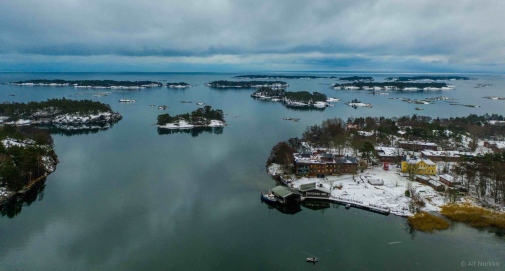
x: 194, y: 132
x: 71, y: 130
x: 14, y: 206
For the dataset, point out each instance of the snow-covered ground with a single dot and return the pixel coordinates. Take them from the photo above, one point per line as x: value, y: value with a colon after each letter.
x: 9, y: 142
x: 390, y: 196
x: 359, y: 104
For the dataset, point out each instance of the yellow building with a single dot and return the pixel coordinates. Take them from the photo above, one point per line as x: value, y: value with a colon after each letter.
x: 421, y: 166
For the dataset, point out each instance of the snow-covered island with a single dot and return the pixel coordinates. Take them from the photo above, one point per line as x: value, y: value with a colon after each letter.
x: 247, y: 84
x: 299, y: 99
x: 96, y: 84
x: 182, y: 85
x: 63, y: 112
x: 426, y: 78
x: 202, y: 117
x: 307, y: 77
x: 394, y: 86
x: 355, y: 103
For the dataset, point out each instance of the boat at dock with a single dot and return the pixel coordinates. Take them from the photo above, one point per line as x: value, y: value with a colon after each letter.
x: 268, y: 198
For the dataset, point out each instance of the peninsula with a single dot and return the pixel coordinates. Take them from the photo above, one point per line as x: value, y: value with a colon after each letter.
x: 403, y: 166
x: 202, y: 117
x: 26, y: 157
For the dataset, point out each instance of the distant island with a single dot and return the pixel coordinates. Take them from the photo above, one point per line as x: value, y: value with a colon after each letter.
x: 58, y: 112
x: 299, y: 99
x: 201, y: 117
x: 26, y: 157
x: 283, y: 77
x: 399, y: 86
x: 426, y: 78
x: 247, y: 84
x: 357, y: 78
x: 178, y: 85
x: 112, y: 84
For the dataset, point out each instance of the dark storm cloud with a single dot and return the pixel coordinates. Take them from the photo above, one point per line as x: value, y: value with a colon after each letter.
x: 465, y: 32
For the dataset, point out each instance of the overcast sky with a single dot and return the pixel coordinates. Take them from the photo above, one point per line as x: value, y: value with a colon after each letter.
x: 220, y: 35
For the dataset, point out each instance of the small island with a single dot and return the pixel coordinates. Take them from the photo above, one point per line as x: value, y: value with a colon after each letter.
x: 178, y: 85
x: 356, y: 78
x: 426, y: 78
x: 299, y: 99
x: 58, y: 112
x: 398, y: 86
x: 356, y: 103
x: 309, y: 77
x: 97, y: 84
x: 202, y: 117
x: 247, y: 84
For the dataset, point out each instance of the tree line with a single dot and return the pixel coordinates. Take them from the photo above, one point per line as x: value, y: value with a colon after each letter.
x: 201, y: 116
x: 51, y: 108
x: 19, y: 165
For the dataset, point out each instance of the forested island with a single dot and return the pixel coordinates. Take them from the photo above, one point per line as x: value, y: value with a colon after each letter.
x: 356, y: 78
x: 247, y: 84
x: 283, y: 77
x: 26, y: 157
x: 201, y: 117
x: 398, y: 86
x: 58, y: 111
x: 299, y: 99
x: 109, y: 84
x: 426, y: 78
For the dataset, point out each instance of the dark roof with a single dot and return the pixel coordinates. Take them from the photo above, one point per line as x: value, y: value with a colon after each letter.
x: 284, y: 191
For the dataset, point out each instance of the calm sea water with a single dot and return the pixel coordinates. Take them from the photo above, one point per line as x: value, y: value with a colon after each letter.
x: 129, y: 198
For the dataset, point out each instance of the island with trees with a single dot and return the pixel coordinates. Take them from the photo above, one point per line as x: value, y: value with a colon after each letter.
x: 453, y: 166
x: 247, y: 84
x: 256, y: 77
x: 426, y: 78
x: 62, y: 112
x: 299, y: 99
x: 396, y: 86
x: 201, y: 117
x: 97, y: 84
x: 356, y: 78
x: 26, y: 158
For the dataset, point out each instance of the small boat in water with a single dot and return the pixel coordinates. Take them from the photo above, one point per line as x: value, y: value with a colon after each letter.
x: 268, y: 198
x: 312, y: 260
x: 347, y: 206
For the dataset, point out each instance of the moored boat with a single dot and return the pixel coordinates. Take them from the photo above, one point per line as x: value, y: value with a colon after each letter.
x: 268, y: 198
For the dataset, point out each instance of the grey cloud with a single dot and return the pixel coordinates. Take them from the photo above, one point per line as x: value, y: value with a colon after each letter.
x: 459, y: 30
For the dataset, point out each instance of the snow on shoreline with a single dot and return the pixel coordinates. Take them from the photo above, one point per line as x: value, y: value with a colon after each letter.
x: 390, y: 196
x: 101, y: 117
x: 182, y: 124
